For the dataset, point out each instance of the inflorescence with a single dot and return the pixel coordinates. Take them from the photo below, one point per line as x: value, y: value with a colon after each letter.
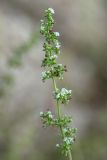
x: 52, y: 71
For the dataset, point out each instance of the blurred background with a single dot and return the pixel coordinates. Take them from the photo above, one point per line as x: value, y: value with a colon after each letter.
x: 83, y: 28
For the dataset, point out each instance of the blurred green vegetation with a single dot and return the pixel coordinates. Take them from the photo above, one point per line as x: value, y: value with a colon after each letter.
x: 16, y: 59
x: 7, y: 79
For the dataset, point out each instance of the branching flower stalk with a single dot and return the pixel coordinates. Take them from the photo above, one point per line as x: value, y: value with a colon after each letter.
x: 54, y: 71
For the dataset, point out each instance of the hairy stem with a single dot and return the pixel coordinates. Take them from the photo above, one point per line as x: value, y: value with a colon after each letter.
x: 59, y: 116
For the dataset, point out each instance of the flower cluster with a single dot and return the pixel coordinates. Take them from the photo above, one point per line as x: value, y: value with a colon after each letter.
x: 69, y: 133
x: 48, y: 119
x: 66, y: 145
x: 68, y: 140
x: 53, y: 70
x: 51, y: 48
x: 63, y: 95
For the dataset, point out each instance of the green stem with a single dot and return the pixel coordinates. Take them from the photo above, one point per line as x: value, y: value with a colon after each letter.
x: 59, y: 116
x: 70, y: 155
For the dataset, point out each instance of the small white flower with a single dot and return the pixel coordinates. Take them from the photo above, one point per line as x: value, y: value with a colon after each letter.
x: 65, y: 139
x: 64, y: 91
x: 62, y: 94
x: 57, y: 34
x: 58, y: 45
x: 51, y: 10
x: 49, y: 112
x: 70, y: 91
x: 44, y: 74
x: 68, y: 140
x: 57, y: 145
x: 58, y: 96
x: 50, y: 116
x: 42, y: 28
x: 65, y: 130
x: 41, y: 113
x: 42, y: 20
x: 54, y: 56
x: 60, y: 65
x: 71, y: 139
